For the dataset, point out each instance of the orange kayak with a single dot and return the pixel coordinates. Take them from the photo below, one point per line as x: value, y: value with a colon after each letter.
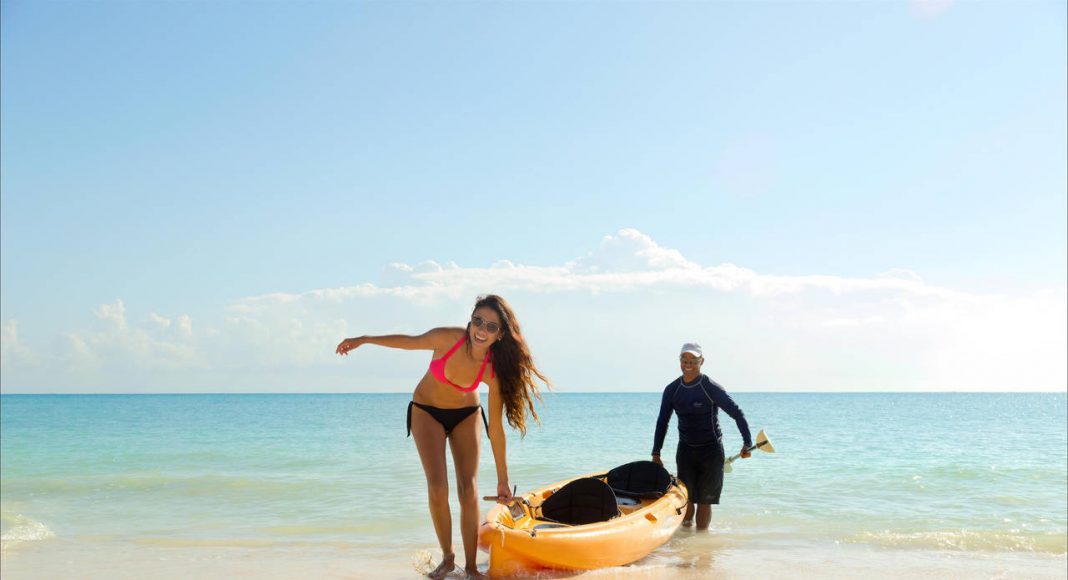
x: 591, y: 521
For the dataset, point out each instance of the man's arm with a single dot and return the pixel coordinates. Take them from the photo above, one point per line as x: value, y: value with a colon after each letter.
x: 662, y: 421
x: 725, y: 402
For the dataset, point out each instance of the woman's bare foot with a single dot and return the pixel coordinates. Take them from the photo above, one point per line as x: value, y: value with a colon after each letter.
x: 448, y: 563
x: 474, y: 574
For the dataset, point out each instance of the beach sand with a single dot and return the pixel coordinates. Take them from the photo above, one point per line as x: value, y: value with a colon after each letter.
x: 687, y: 556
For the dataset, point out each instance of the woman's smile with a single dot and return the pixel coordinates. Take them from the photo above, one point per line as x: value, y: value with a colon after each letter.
x: 484, y: 327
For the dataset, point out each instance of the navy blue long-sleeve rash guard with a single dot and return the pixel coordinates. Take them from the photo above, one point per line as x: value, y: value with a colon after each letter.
x: 697, y: 406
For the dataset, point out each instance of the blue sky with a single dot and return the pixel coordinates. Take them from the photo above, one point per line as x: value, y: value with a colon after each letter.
x: 829, y: 195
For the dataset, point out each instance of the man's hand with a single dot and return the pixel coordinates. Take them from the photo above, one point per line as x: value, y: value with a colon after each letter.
x: 656, y: 460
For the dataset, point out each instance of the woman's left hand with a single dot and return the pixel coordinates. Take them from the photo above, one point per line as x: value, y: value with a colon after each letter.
x: 504, y: 494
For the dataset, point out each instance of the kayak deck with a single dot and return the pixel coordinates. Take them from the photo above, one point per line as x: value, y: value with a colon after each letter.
x: 532, y: 533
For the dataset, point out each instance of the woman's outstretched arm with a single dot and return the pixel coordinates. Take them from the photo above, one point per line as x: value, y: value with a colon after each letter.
x: 429, y: 340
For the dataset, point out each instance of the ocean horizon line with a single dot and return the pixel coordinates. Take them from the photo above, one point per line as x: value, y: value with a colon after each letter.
x: 544, y: 393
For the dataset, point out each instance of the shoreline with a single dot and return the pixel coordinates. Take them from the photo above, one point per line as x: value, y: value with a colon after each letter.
x: 686, y: 555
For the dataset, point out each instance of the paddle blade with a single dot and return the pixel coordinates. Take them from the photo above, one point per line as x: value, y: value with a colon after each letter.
x: 763, y: 444
x: 727, y: 467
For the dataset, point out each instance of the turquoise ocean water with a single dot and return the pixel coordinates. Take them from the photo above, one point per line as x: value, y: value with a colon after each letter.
x: 331, y: 480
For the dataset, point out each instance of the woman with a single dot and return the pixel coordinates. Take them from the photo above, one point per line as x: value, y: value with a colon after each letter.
x: 445, y: 406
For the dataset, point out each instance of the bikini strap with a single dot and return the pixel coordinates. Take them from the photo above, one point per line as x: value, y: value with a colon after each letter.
x: 410, y: 403
x: 453, y: 349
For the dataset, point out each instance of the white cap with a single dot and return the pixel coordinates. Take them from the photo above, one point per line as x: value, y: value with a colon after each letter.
x: 692, y: 348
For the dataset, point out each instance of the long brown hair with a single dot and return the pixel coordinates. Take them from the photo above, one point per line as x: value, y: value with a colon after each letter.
x: 513, y: 364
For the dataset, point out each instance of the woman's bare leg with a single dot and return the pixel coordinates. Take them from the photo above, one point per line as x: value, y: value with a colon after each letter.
x: 430, y: 442
x: 465, y: 442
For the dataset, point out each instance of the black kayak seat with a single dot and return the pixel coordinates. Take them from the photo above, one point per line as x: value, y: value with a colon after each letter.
x: 639, y: 479
x: 583, y: 501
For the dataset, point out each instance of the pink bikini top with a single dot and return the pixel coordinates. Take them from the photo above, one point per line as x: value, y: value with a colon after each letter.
x: 437, y: 368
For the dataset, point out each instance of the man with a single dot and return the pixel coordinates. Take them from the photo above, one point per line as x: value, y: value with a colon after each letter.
x: 696, y: 399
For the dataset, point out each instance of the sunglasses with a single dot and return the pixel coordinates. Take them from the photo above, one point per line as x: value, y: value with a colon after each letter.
x: 489, y: 326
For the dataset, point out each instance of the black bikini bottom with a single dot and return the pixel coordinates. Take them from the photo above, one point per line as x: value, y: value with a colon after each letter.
x: 449, y: 418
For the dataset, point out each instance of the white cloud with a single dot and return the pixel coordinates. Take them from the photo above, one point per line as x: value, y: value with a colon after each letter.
x: 185, y: 326
x: 630, y: 251
x: 930, y: 8
x: 12, y: 351
x: 866, y: 321
x: 113, y: 347
x: 79, y: 357
x: 399, y: 274
x: 159, y: 320
x: 625, y: 262
x: 631, y: 296
x: 114, y: 314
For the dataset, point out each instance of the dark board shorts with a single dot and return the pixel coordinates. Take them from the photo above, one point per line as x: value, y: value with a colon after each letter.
x: 701, y: 469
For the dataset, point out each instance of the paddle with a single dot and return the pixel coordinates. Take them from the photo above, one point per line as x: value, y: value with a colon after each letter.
x: 762, y: 444
x: 514, y: 506
x: 515, y: 488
